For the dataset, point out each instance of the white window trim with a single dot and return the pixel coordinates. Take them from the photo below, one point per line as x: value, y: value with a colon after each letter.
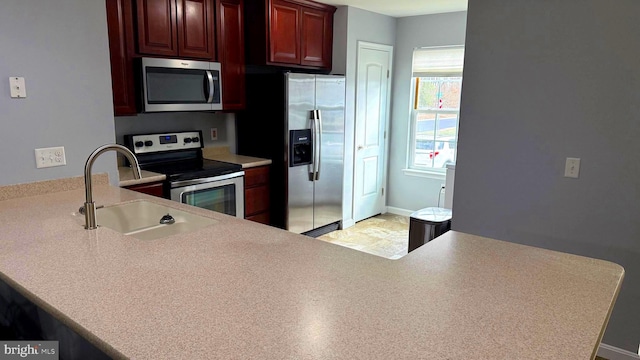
x: 410, y: 168
x: 437, y: 174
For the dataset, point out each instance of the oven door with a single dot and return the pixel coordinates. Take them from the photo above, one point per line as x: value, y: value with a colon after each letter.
x: 223, y: 193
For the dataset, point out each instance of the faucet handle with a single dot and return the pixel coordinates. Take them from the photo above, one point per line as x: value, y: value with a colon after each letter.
x: 81, y: 210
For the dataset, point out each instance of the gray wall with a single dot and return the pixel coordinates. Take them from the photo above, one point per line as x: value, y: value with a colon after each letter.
x: 542, y: 83
x: 355, y: 25
x: 180, y: 121
x: 61, y: 49
x: 413, y: 32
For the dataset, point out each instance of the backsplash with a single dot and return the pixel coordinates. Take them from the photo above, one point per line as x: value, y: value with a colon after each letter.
x: 180, y: 121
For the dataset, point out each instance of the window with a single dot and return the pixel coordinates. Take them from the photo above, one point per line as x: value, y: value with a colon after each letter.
x: 437, y: 85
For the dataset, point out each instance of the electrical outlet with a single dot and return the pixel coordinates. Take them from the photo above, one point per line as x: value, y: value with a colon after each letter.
x: 572, y: 168
x: 214, y: 133
x: 49, y: 157
x: 17, y: 86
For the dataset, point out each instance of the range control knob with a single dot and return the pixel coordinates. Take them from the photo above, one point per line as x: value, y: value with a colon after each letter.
x: 195, y: 139
x: 148, y: 143
x: 139, y: 144
x: 187, y: 140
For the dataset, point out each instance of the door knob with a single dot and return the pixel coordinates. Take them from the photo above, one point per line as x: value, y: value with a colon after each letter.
x: 360, y: 147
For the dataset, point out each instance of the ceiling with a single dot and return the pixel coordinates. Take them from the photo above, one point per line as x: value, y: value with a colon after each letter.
x: 401, y: 8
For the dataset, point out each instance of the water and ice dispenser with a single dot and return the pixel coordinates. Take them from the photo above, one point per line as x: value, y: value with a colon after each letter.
x: 300, y: 147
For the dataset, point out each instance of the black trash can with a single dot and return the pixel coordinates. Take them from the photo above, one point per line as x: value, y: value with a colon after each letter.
x: 427, y: 224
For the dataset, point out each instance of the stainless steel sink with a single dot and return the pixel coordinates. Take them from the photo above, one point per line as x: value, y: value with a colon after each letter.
x: 142, y: 220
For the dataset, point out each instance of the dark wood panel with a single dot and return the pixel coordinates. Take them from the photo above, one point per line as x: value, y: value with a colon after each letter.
x: 316, y: 37
x: 262, y: 218
x: 157, y: 32
x: 284, y: 28
x: 256, y: 200
x: 121, y: 50
x: 196, y: 30
x: 230, y: 43
x: 154, y: 189
x: 256, y: 176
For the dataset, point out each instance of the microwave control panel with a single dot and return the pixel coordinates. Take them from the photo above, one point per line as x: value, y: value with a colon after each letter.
x: 153, y: 143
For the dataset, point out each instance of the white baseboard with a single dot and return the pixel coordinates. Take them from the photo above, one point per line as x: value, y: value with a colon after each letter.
x: 399, y: 211
x: 614, y: 353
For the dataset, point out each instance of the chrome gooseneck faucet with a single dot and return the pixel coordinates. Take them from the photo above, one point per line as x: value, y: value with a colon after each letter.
x: 89, y: 205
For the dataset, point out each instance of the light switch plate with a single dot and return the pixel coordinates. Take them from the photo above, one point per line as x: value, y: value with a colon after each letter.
x: 49, y: 157
x: 18, y: 87
x: 572, y: 168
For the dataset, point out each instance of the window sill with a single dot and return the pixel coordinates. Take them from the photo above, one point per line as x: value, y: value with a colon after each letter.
x: 429, y: 174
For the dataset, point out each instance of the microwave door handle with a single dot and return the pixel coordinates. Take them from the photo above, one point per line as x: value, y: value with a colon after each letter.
x: 319, y: 146
x: 210, y: 79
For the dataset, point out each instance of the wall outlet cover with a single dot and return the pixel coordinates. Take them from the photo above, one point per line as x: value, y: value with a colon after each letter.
x: 50, y: 157
x: 214, y: 133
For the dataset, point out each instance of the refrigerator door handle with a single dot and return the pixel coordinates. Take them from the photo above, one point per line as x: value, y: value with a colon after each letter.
x: 319, y: 132
x: 314, y: 141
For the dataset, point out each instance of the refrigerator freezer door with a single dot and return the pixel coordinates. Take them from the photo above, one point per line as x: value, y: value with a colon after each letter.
x: 300, y: 101
x: 330, y: 95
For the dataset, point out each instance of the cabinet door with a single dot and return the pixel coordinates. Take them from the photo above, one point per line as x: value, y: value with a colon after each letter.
x: 316, y: 37
x: 157, y: 32
x: 196, y: 30
x: 284, y: 29
x: 121, y: 49
x: 230, y: 42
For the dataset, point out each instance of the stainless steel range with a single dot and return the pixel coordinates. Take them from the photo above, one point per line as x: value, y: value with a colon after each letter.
x: 191, y: 179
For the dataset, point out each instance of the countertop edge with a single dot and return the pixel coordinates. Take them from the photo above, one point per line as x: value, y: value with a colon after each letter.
x: 126, y: 177
x: 63, y: 318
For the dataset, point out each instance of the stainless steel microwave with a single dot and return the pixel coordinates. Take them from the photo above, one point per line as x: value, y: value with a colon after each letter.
x: 180, y: 85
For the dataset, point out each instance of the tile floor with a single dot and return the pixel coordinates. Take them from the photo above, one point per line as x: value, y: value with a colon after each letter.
x: 385, y: 235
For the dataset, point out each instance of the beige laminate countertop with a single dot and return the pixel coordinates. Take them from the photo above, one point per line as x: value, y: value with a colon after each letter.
x: 125, y: 175
x: 245, y: 161
x: 242, y: 290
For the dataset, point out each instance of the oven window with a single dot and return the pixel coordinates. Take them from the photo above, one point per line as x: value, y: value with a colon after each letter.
x: 221, y: 199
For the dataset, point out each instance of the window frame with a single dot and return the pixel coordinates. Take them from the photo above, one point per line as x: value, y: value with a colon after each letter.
x: 412, y: 167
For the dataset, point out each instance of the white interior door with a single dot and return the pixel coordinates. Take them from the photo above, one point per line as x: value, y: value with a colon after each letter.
x: 372, y: 110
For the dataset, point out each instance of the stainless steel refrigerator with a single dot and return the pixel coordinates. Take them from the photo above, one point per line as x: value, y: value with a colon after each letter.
x: 315, y: 104
x: 297, y: 120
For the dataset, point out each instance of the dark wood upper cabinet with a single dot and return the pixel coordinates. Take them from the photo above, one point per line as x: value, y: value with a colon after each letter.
x: 284, y: 33
x: 121, y: 49
x: 289, y: 33
x: 177, y: 28
x: 157, y: 28
x: 230, y: 43
x: 195, y: 29
x: 316, y: 37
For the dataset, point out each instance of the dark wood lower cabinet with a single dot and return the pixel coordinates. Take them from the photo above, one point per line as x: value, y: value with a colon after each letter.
x: 263, y: 218
x: 256, y: 194
x: 154, y: 189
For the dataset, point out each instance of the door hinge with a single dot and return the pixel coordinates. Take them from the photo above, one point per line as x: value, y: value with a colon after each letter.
x: 382, y: 191
x: 387, y: 74
x: 385, y: 134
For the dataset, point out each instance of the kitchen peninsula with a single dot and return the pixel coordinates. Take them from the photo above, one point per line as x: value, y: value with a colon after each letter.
x: 238, y: 289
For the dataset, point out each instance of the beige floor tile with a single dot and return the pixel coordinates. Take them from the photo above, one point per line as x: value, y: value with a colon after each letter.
x: 385, y: 235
